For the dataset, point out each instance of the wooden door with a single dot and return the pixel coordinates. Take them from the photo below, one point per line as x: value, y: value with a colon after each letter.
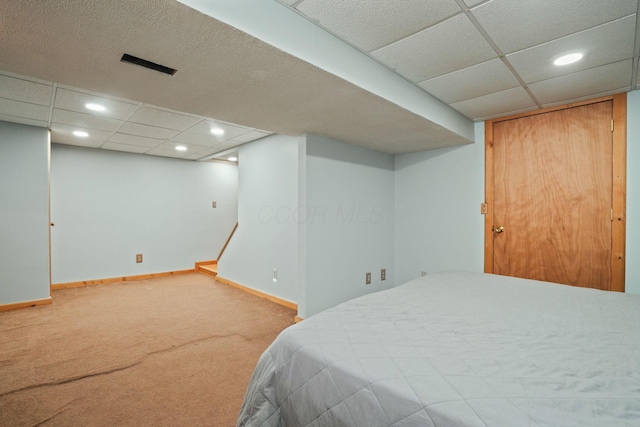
x: 552, y: 196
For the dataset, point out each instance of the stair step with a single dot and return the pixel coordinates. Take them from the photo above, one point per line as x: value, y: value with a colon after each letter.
x: 213, y: 268
x: 209, y: 268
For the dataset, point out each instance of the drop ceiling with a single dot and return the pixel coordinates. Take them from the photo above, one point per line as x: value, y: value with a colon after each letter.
x: 124, y: 125
x: 464, y: 59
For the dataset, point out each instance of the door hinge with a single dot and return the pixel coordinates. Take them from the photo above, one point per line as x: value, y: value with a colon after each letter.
x: 611, y: 125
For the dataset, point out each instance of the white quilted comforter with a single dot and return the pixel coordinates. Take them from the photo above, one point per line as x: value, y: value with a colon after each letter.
x: 456, y: 349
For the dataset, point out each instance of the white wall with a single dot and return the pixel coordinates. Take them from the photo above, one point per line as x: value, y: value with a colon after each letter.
x: 438, y: 220
x: 266, y: 238
x: 632, y: 283
x: 108, y: 206
x: 349, y: 223
x: 24, y: 213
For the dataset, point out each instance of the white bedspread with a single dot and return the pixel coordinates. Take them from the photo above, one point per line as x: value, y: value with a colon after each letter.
x: 456, y: 349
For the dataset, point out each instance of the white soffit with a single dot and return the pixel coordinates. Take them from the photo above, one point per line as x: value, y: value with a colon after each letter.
x: 278, y: 25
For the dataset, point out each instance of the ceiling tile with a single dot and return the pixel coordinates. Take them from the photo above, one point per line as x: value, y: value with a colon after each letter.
x: 19, y: 89
x: 194, y: 156
x: 372, y: 24
x: 169, y: 145
x: 147, y: 131
x: 124, y: 147
x: 196, y: 139
x: 607, y: 43
x: 449, y: 46
x: 472, y: 82
x: 211, y: 150
x: 63, y: 134
x: 162, y: 118
x: 583, y: 83
x: 592, y: 96
x: 166, y: 153
x: 515, y: 25
x: 24, y: 121
x: 230, y: 131
x: 227, y: 145
x: 76, y: 99
x: 87, y: 121
x: 123, y: 138
x: 77, y: 142
x: 24, y: 110
x: 251, y: 136
x: 507, y: 101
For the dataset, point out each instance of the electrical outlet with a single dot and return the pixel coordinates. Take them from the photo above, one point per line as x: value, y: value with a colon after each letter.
x: 368, y: 279
x: 275, y: 275
x: 214, y: 205
x: 138, y: 258
x: 383, y: 274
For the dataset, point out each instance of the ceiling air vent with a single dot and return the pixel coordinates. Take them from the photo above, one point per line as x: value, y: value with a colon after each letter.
x: 147, y: 64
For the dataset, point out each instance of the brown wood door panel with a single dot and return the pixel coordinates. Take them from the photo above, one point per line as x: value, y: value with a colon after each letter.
x: 552, y: 193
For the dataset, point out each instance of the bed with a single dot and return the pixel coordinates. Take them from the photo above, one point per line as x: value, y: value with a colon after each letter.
x: 456, y: 349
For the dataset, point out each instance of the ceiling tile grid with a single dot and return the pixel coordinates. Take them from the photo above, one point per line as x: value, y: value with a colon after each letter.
x: 71, y: 99
x: 484, y: 58
x: 446, y: 47
x: 123, y: 125
x: 604, y: 44
x: 516, y: 25
x: 379, y: 23
x: 471, y: 53
x: 592, y: 81
x: 478, y: 80
x: 495, y: 104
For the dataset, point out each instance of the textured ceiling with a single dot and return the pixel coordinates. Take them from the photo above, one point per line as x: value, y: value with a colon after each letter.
x: 481, y: 58
x: 124, y: 125
x: 491, y: 58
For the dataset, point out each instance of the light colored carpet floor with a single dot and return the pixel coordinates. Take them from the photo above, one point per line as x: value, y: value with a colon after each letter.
x: 175, y: 351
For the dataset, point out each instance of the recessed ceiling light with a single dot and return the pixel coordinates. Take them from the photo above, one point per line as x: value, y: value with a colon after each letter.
x: 181, y: 148
x: 568, y: 58
x: 81, y: 133
x: 95, y: 107
x: 232, y: 159
x: 217, y: 131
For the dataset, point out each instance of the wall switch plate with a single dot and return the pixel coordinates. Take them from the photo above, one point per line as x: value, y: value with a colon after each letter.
x: 138, y: 258
x: 383, y: 274
x: 368, y: 279
x: 214, y: 205
x: 484, y: 208
x: 275, y: 275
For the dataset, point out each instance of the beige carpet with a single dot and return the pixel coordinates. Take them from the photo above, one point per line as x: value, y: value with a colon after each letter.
x: 175, y: 351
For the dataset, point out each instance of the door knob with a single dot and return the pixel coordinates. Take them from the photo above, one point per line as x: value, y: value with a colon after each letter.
x: 499, y: 229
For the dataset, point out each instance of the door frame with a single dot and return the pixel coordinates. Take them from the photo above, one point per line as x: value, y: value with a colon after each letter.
x: 619, y: 183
